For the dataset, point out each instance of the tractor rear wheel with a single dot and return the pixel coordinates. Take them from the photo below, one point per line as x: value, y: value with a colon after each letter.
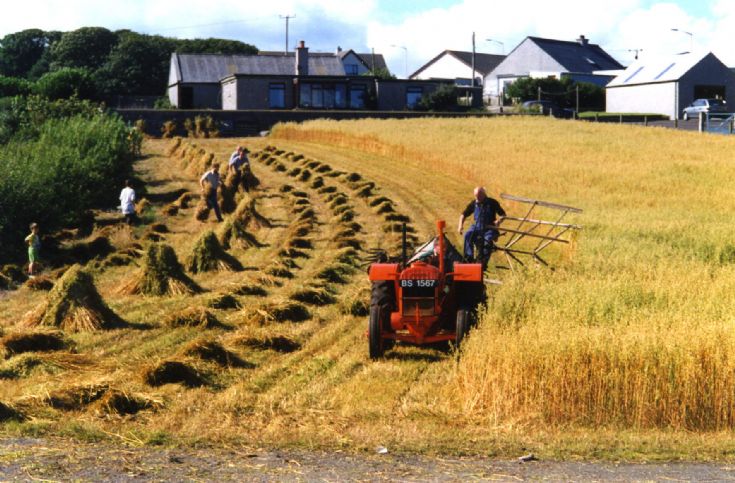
x: 464, y: 319
x: 375, y: 339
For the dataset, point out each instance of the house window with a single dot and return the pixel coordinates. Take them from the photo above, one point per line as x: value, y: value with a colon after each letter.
x: 340, y: 96
x: 327, y: 96
x: 413, y: 96
x: 305, y: 97
x: 277, y: 95
x: 357, y: 97
x: 317, y: 96
x: 351, y: 69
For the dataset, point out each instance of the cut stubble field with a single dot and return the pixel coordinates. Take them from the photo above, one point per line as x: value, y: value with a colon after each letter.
x: 624, y: 350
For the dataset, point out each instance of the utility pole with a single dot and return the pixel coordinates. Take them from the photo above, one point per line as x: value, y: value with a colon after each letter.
x: 539, y: 93
x: 636, y: 52
x: 577, y: 89
x: 473, y: 60
x: 287, y: 18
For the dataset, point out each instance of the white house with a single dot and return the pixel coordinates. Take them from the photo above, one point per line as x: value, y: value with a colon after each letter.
x: 457, y: 65
x: 666, y: 85
x: 537, y: 57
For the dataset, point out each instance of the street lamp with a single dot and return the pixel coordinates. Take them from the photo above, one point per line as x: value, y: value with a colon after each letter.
x: 405, y: 57
x: 502, y: 45
x: 691, y: 38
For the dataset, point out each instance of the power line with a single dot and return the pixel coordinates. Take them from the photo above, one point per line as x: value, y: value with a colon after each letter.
x: 214, y: 24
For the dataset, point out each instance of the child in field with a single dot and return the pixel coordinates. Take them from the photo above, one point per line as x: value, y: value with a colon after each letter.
x: 34, y: 249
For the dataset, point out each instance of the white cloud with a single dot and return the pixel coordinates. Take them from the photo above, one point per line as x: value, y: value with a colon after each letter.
x: 615, y: 25
x: 428, y: 33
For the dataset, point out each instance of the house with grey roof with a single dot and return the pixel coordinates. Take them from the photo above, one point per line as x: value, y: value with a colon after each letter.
x: 304, y: 80
x: 538, y: 57
x: 195, y: 80
x: 456, y: 65
x: 666, y: 85
x: 305, y: 89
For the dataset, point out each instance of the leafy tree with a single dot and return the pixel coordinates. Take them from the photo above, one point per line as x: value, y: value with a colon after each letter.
x: 120, y: 63
x: 13, y: 86
x: 87, y: 47
x: 380, y: 73
x: 66, y: 83
x: 138, y: 64
x: 20, y: 51
x: 214, y: 46
x: 43, y: 64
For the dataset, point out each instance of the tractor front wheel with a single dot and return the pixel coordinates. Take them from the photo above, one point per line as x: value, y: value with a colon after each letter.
x: 375, y: 339
x: 464, y: 319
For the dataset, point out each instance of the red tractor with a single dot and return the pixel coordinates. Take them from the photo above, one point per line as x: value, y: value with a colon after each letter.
x: 432, y: 297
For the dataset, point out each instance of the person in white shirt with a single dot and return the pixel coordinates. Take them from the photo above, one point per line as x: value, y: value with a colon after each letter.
x: 127, y: 202
x: 212, y: 178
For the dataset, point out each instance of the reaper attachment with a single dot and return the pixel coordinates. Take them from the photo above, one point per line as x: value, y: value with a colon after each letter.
x: 531, y: 231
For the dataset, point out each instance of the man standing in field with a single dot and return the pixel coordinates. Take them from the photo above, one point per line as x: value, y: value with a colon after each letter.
x: 127, y: 202
x: 486, y: 211
x: 212, y: 178
x: 34, y: 249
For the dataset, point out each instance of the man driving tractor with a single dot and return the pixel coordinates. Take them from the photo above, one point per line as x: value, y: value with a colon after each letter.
x: 482, y: 233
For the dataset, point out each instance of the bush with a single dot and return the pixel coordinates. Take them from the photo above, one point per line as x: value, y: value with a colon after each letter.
x: 163, y: 103
x: 442, y: 99
x: 66, y: 83
x: 72, y: 165
x: 13, y: 86
x: 24, y: 116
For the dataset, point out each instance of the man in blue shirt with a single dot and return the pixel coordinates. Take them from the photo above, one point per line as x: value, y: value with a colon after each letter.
x: 482, y: 233
x: 238, y: 159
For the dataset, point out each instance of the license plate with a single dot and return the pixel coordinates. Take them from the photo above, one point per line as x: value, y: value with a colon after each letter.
x: 418, y: 287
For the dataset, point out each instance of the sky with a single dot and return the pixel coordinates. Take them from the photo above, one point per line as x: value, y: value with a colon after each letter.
x: 407, y: 33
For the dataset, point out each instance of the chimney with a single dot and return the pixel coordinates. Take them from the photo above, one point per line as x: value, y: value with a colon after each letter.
x: 339, y: 50
x: 302, y: 59
x: 583, y: 41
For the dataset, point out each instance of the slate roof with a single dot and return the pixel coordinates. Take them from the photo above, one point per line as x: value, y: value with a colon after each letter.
x: 576, y: 57
x: 211, y: 68
x: 668, y: 68
x: 367, y: 59
x: 484, y: 63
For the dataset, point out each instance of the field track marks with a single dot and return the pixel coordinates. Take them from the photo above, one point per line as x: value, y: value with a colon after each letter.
x: 418, y: 191
x: 327, y: 364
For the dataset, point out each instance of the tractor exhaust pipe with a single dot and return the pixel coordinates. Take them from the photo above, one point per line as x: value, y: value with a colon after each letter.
x: 440, y: 225
x: 404, y: 255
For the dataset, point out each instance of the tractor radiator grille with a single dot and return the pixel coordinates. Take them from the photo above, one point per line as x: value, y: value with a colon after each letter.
x: 425, y: 306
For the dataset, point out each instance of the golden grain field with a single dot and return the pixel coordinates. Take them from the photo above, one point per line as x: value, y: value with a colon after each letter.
x: 635, y: 327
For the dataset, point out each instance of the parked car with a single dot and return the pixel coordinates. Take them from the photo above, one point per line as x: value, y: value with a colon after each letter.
x: 548, y: 107
x: 704, y: 105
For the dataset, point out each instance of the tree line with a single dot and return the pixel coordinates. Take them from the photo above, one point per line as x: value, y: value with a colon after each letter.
x: 96, y: 63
